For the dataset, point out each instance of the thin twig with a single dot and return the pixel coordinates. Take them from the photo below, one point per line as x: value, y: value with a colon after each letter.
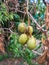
x: 21, y: 11
x: 41, y: 26
x: 33, y: 20
x: 36, y: 52
x: 7, y: 29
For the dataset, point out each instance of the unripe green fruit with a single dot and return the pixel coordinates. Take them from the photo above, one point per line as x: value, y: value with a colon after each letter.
x: 30, y: 29
x: 22, y: 27
x: 31, y: 44
x: 23, y: 38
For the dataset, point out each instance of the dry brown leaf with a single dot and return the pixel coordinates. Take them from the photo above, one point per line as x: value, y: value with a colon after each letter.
x: 2, y: 49
x: 47, y: 17
x: 48, y: 38
x: 48, y: 56
x: 42, y: 58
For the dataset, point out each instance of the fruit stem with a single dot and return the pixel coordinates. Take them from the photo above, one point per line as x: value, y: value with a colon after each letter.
x: 28, y: 21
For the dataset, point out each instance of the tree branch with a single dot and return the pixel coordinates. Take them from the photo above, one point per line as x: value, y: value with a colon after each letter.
x: 37, y: 53
x: 21, y: 11
x: 7, y: 29
x: 33, y: 20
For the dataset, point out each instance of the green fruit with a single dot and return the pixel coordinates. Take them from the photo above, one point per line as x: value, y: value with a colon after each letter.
x: 31, y: 44
x: 23, y: 38
x: 30, y: 29
x: 21, y: 27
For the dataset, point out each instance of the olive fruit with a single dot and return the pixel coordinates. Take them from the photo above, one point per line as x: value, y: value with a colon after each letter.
x: 30, y: 29
x: 22, y: 27
x: 23, y: 38
x: 31, y: 44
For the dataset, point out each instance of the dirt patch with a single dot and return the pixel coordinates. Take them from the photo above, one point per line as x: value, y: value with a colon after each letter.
x: 12, y: 61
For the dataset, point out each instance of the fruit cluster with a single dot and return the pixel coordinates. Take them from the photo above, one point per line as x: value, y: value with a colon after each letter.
x: 26, y: 36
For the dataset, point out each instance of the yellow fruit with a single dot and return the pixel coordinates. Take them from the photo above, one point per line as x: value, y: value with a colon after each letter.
x: 31, y: 44
x: 30, y: 29
x: 28, y: 37
x: 22, y: 27
x: 23, y: 38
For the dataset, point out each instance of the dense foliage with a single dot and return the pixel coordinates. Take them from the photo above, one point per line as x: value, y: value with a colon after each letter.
x: 7, y: 19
